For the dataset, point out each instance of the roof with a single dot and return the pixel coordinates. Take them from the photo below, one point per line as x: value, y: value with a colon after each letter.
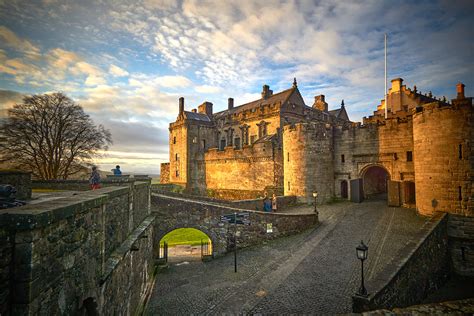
x: 274, y: 98
x: 335, y: 112
x: 196, y: 116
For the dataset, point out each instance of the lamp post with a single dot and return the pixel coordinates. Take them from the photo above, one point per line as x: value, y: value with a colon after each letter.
x: 315, y: 195
x: 362, y: 251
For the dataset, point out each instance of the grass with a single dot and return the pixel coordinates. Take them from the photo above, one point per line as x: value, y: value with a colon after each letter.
x: 46, y: 190
x: 184, y: 236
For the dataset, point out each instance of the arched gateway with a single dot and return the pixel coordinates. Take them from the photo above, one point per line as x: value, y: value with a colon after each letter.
x: 375, y: 179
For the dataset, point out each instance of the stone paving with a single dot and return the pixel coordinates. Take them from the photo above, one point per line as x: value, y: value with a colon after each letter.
x: 315, y: 272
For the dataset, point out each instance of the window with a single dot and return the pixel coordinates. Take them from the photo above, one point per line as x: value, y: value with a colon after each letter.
x: 288, y: 157
x: 252, y: 139
x: 460, y: 151
x: 289, y: 188
x: 343, y: 159
x: 237, y: 143
x: 395, y: 156
x: 174, y: 140
x: 203, y: 144
x: 409, y: 156
x: 459, y: 193
x: 222, y: 144
x: 176, y: 157
x: 195, y: 140
x: 177, y: 173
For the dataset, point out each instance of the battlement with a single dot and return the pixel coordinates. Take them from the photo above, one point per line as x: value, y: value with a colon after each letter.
x: 441, y: 106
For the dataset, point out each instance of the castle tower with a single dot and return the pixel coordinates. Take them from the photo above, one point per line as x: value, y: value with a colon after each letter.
x: 308, y: 161
x: 443, y: 153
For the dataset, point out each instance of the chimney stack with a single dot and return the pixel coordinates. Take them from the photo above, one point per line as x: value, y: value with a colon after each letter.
x: 460, y: 90
x: 193, y: 110
x: 230, y: 103
x: 266, y: 92
x: 320, y: 103
x: 181, y: 105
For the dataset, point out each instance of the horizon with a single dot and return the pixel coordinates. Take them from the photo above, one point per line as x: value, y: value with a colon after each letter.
x: 128, y: 64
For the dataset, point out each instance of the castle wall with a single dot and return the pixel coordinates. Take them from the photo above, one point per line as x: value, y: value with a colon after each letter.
x: 249, y: 170
x: 165, y: 173
x: 443, y: 139
x: 308, y: 161
x: 369, y: 145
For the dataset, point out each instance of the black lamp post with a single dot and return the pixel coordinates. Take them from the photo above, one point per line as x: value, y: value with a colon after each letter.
x: 315, y: 195
x: 362, y: 251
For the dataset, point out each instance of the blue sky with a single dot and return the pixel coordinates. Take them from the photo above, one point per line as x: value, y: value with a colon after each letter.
x: 127, y: 63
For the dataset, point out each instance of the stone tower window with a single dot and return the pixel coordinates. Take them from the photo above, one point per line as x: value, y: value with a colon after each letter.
x: 343, y: 159
x: 237, y: 143
x: 176, y: 157
x: 177, y: 173
x: 203, y: 144
x: 460, y: 151
x: 289, y: 188
x: 195, y: 140
x: 288, y: 157
x: 222, y: 144
x: 460, y: 193
x: 409, y: 156
x: 174, y: 140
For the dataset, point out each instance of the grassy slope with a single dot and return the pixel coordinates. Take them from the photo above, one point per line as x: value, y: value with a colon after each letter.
x: 185, y: 236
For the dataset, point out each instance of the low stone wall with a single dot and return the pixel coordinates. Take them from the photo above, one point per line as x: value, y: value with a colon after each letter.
x: 90, y: 250
x: 425, y: 267
x: 20, y: 180
x: 83, y: 185
x: 225, y: 194
x: 257, y: 204
x: 461, y: 243
x: 174, y: 212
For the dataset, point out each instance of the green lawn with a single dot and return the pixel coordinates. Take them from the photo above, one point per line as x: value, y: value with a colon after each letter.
x: 185, y: 236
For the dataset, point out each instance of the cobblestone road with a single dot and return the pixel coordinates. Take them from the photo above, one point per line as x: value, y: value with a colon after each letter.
x: 315, y: 272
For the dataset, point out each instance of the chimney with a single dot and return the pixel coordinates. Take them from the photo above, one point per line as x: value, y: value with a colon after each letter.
x: 266, y: 92
x: 460, y: 90
x: 230, y: 103
x: 193, y: 110
x: 181, y: 105
x: 205, y: 108
x: 396, y: 84
x: 320, y: 103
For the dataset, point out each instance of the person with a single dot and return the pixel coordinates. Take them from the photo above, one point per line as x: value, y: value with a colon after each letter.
x: 274, y: 203
x: 267, y: 205
x: 117, y: 171
x: 94, y: 179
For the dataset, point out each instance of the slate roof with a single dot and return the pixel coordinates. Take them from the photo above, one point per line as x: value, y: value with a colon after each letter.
x: 335, y: 112
x: 196, y: 116
x: 275, y: 98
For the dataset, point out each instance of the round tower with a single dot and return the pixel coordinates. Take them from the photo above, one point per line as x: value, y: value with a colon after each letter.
x: 308, y: 161
x: 443, y: 148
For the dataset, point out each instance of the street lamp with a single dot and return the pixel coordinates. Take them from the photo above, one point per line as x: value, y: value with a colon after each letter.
x: 315, y: 195
x: 362, y: 251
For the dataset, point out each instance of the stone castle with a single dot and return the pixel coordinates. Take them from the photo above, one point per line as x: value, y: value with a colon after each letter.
x: 420, y: 154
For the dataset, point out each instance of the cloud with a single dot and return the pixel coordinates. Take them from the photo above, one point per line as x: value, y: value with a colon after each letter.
x: 116, y: 71
x: 208, y: 89
x: 11, y: 40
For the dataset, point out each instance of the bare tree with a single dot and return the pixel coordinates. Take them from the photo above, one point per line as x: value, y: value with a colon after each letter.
x: 51, y: 136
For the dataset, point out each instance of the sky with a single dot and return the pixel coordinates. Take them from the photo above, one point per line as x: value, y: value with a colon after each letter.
x: 128, y: 62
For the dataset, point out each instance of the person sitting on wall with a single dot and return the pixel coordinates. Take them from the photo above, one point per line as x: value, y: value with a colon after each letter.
x: 94, y: 179
x: 267, y: 205
x: 117, y: 172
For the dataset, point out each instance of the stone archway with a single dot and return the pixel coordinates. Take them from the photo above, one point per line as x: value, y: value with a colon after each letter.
x: 375, y: 179
x: 185, y: 244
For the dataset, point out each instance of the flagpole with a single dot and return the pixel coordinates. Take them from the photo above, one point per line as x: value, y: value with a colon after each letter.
x: 385, y: 79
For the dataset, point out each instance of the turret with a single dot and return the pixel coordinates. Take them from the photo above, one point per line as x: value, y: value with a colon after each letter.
x: 266, y: 92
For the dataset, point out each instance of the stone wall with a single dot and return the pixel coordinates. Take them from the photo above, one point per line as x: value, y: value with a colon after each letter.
x: 83, y: 185
x: 444, y: 154
x: 165, y: 173
x: 20, y: 180
x: 94, y: 246
x: 173, y: 212
x: 461, y: 243
x: 425, y: 268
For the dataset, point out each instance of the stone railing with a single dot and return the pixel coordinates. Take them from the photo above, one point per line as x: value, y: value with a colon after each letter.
x: 424, y: 268
x: 88, y: 252
x: 83, y: 185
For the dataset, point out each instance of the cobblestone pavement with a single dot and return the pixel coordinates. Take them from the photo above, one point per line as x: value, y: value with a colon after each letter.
x: 315, y: 272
